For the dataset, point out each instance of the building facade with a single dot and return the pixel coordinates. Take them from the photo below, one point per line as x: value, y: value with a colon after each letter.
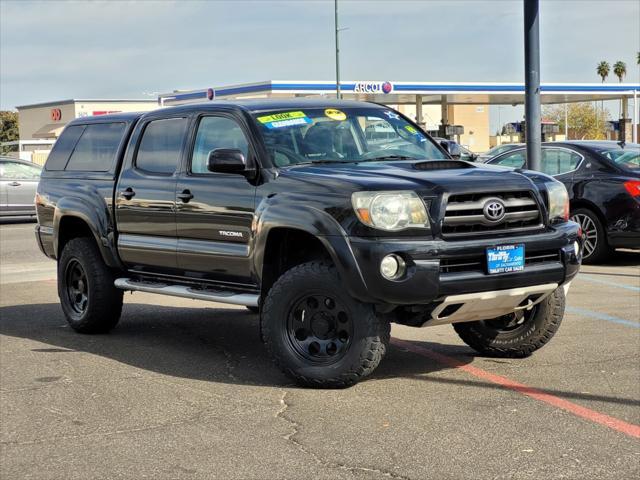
x: 40, y: 124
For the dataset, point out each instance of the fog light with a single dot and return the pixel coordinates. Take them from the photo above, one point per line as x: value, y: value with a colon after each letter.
x: 392, y: 267
x: 576, y: 248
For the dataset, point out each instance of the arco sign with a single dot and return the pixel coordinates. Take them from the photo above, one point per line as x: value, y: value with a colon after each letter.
x: 373, y: 87
x: 56, y: 114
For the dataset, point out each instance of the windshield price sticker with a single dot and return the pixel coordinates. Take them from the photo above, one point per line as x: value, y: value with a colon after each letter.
x: 285, y: 119
x: 410, y: 129
x: 334, y: 114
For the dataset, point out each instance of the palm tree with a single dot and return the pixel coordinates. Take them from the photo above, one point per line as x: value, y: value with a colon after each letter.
x: 620, y: 69
x: 603, y: 70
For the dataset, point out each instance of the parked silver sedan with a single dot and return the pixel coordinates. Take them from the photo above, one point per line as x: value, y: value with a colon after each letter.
x: 18, y: 184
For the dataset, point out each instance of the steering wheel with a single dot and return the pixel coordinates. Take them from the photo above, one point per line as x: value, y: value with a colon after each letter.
x: 292, y: 157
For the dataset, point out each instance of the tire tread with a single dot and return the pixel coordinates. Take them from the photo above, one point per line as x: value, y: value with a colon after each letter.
x: 555, y: 304
x: 369, y: 357
x: 105, y: 303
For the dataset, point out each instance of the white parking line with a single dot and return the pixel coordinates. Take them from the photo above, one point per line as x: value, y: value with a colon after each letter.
x: 27, y: 272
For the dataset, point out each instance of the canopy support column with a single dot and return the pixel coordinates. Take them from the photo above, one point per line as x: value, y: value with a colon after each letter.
x: 419, y: 119
x: 634, y: 125
x: 444, y: 110
x: 624, y: 113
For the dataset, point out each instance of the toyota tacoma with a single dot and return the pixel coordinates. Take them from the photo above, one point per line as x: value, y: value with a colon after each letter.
x: 328, y: 219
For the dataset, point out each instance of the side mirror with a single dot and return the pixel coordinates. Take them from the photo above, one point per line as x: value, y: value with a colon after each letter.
x: 452, y: 148
x: 226, y: 160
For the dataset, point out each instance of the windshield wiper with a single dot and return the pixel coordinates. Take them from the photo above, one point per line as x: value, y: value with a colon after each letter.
x: 321, y: 162
x: 389, y: 157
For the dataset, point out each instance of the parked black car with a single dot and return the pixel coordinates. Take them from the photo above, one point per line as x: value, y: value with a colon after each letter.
x: 331, y: 229
x: 497, y: 150
x: 603, y: 181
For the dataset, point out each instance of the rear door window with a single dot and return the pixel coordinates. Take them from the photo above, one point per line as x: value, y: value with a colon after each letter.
x: 63, y: 147
x: 556, y: 161
x: 96, y: 149
x: 161, y: 146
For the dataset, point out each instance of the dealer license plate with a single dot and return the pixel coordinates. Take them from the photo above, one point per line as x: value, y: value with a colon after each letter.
x: 505, y: 259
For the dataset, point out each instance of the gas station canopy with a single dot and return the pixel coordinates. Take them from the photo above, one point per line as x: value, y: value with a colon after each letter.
x: 397, y: 93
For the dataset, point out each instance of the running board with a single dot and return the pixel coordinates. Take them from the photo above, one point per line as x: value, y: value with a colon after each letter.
x: 471, y: 307
x: 220, y: 296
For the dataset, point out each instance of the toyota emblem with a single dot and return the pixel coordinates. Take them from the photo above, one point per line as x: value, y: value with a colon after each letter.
x: 494, y: 210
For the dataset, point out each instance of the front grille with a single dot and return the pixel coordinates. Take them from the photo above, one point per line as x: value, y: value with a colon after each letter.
x: 464, y: 214
x: 478, y: 263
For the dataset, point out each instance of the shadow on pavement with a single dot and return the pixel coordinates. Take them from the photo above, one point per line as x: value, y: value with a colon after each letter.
x: 17, y: 220
x: 210, y: 344
x: 622, y: 258
x: 216, y: 345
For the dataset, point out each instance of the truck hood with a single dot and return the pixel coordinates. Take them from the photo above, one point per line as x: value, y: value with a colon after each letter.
x: 424, y: 176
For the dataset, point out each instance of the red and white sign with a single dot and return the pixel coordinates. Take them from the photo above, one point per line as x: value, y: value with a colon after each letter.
x: 104, y: 112
x: 56, y: 114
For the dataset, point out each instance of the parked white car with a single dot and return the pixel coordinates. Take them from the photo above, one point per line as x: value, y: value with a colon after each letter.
x: 18, y: 184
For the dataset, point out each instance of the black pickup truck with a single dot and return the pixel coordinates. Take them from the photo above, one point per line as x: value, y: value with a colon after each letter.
x: 330, y: 219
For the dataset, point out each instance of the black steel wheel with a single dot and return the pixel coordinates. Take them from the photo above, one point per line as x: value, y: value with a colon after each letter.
x: 594, y: 243
x: 319, y: 328
x: 89, y: 300
x: 77, y: 287
x: 316, y: 333
x: 518, y: 334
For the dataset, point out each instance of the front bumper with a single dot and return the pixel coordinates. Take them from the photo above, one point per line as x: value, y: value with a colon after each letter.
x: 429, y: 277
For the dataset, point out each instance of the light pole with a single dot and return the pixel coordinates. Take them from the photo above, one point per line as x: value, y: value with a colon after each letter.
x: 338, y: 94
x: 532, y: 84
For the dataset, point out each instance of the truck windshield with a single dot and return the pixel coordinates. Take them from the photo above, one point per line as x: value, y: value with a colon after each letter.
x: 327, y: 135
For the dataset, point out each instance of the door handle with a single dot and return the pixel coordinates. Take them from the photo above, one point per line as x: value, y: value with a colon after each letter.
x: 128, y: 194
x: 185, y: 196
x: 15, y: 184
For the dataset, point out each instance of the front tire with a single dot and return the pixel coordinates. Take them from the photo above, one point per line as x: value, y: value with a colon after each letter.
x: 516, y: 335
x: 316, y: 333
x: 89, y: 300
x: 594, y: 248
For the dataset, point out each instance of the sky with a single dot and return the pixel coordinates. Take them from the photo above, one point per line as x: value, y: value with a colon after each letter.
x: 54, y: 50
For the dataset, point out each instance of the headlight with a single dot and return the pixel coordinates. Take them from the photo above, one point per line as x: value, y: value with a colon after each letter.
x: 558, y: 201
x: 391, y: 211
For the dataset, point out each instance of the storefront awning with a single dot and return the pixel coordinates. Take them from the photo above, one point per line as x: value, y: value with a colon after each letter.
x: 50, y: 130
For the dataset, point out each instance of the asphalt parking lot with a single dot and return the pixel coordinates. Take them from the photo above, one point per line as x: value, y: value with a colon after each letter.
x: 184, y: 389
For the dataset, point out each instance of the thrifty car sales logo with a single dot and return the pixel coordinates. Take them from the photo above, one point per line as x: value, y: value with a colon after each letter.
x: 373, y: 87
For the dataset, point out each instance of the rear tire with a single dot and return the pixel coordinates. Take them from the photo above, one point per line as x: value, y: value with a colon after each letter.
x: 510, y: 337
x: 316, y: 333
x: 595, y: 248
x: 89, y: 300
